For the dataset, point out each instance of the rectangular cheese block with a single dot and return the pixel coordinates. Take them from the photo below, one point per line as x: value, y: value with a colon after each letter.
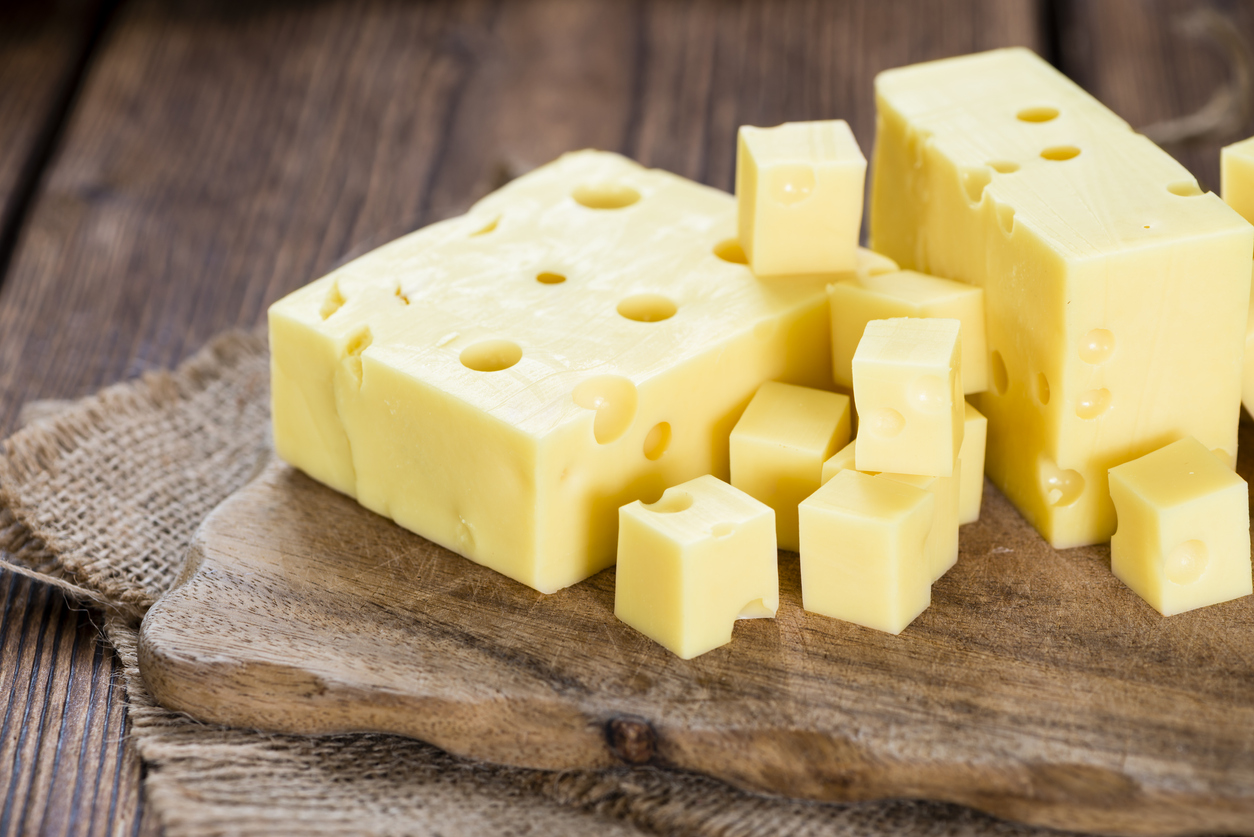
x: 1115, y: 292
x: 1236, y: 173
x: 501, y: 383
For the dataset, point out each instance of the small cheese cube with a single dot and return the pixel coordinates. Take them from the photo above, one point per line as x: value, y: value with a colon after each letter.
x: 1237, y: 184
x: 862, y: 551
x: 856, y: 301
x: 692, y: 563
x: 799, y: 188
x: 907, y: 385
x: 1183, y: 540
x: 971, y: 455
x: 779, y: 445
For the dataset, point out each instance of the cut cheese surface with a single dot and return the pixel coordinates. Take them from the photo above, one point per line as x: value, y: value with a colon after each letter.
x: 1116, y: 292
x: 1183, y: 540
x: 502, y: 382
x: 799, y: 187
x: 693, y: 563
x: 780, y: 444
x: 1237, y: 184
x: 941, y: 548
x: 907, y: 384
x: 907, y: 293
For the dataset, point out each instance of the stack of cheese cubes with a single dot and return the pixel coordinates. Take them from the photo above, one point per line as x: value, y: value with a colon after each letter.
x: 572, y: 373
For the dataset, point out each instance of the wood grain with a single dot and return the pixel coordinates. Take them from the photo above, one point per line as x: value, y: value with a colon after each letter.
x: 62, y: 720
x: 1036, y: 687
x: 1139, y: 58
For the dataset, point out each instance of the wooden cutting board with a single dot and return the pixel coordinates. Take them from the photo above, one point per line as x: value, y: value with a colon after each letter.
x: 1036, y: 687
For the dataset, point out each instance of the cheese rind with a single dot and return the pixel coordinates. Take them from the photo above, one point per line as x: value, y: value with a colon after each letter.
x: 799, y: 187
x: 693, y: 563
x: 971, y: 455
x: 448, y: 381
x: 907, y: 384
x: 1116, y: 292
x: 1183, y: 540
x: 779, y: 445
x: 862, y: 551
x: 906, y: 293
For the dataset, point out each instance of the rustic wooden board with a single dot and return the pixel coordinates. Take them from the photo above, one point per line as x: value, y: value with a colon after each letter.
x: 1036, y: 687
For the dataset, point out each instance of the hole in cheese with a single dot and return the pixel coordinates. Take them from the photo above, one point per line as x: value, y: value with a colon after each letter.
x: 658, y: 440
x: 671, y: 502
x: 606, y: 196
x: 614, y: 398
x: 1042, y: 388
x: 647, y: 308
x: 487, y: 228
x: 1184, y: 188
x: 1042, y: 113
x: 1186, y: 563
x: 1097, y: 346
x: 722, y: 530
x: 731, y: 251
x: 1004, y: 166
x: 974, y: 181
x: 884, y: 423
x: 1060, y: 487
x: 491, y: 355
x: 1060, y: 152
x: 548, y: 278
x: 997, y: 366
x: 333, y: 302
x: 1006, y: 218
x: 1092, y: 404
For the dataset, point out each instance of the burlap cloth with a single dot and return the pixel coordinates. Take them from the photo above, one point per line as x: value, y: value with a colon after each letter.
x: 101, y: 498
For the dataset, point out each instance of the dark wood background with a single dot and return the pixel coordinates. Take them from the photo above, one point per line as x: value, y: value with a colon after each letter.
x: 167, y: 170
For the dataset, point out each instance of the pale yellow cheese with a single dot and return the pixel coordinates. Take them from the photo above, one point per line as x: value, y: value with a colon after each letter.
x: 501, y: 383
x: 1116, y: 293
x: 839, y: 461
x: 907, y: 385
x: 1183, y: 540
x: 906, y: 293
x: 693, y: 563
x: 1236, y: 173
x: 971, y: 455
x: 799, y: 187
x: 779, y: 445
x: 941, y: 548
x: 862, y: 551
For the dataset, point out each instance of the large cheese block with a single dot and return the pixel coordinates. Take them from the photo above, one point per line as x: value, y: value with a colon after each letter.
x: 1116, y: 291
x: 502, y: 382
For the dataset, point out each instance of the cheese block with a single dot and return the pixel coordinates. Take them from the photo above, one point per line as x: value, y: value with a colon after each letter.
x: 907, y: 293
x: 799, y: 188
x: 1236, y: 172
x: 971, y: 455
x: 1115, y: 291
x: 941, y: 547
x: 693, y: 563
x: 780, y: 444
x: 502, y: 382
x: 1183, y: 540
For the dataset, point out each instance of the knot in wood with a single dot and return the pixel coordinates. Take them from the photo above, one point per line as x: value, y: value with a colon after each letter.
x: 631, y: 739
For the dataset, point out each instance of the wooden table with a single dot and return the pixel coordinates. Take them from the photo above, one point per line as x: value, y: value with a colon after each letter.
x: 167, y: 170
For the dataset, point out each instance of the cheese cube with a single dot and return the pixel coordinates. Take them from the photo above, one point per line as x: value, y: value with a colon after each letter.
x: 694, y: 562
x: 799, y: 187
x: 779, y: 445
x: 841, y: 460
x: 862, y: 551
x: 906, y: 293
x: 907, y: 384
x: 501, y: 383
x: 1115, y: 292
x: 1183, y: 540
x: 971, y: 455
x: 1237, y: 184
x: 941, y: 547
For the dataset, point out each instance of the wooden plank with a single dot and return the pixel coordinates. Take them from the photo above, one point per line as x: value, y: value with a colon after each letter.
x: 305, y: 135
x: 1153, y: 61
x: 62, y: 755
x: 42, y: 46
